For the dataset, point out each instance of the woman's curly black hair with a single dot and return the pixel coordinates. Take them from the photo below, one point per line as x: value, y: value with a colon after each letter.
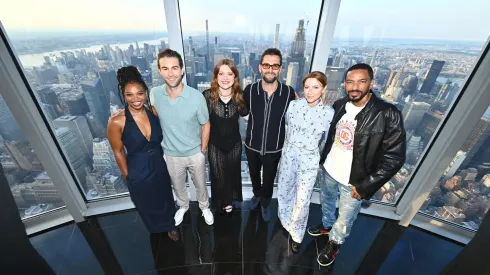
x: 130, y: 74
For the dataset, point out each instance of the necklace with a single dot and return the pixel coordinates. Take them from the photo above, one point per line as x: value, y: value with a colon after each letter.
x: 225, y: 96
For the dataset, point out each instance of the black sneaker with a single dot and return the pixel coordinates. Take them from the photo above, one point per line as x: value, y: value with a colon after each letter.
x: 328, y: 254
x: 253, y: 203
x: 318, y: 230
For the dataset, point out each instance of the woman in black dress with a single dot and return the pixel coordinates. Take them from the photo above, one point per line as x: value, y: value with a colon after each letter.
x: 225, y: 105
x: 135, y: 136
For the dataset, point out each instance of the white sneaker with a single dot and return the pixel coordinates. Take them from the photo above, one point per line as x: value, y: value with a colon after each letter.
x: 179, y: 216
x: 208, y: 216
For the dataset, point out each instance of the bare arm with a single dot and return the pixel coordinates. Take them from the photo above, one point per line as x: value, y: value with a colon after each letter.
x: 205, y: 136
x: 114, y: 134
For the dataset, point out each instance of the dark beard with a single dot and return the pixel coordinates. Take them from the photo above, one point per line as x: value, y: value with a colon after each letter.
x: 269, y: 81
x: 363, y: 94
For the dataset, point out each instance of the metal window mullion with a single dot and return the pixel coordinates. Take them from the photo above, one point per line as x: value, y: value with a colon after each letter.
x: 174, y: 29
x: 328, y: 20
x: 16, y: 94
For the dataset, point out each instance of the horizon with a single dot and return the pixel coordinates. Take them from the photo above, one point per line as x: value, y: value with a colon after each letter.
x: 18, y: 35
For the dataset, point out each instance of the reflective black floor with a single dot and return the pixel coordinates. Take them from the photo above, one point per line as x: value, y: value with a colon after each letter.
x: 238, y: 244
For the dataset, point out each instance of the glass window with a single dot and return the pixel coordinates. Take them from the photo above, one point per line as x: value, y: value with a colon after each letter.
x: 31, y: 186
x: 462, y: 194
x: 418, y: 68
x: 241, y: 31
x: 70, y: 55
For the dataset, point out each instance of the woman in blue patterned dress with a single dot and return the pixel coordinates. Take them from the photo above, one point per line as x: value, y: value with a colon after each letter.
x: 308, y: 121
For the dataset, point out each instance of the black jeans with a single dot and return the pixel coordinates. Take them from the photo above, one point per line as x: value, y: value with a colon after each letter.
x: 263, y: 188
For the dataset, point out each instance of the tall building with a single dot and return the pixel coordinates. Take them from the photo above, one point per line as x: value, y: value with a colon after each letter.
x: 9, y: 129
x: 428, y: 125
x: 209, y: 66
x: 78, y: 125
x: 477, y: 137
x: 76, y: 104
x: 413, y: 113
x: 431, y: 77
x: 276, y: 37
x: 96, y: 128
x: 235, y: 55
x: 48, y: 96
x: 23, y: 155
x: 190, y: 70
x: 335, y: 78
x: 190, y: 49
x: 454, y: 165
x: 140, y: 62
x: 298, y: 46
x: 74, y: 152
x: 292, y: 78
x: 97, y: 100
x: 110, y: 85
x: 218, y: 56
x: 297, y: 54
x: 414, y: 145
x: 104, y: 160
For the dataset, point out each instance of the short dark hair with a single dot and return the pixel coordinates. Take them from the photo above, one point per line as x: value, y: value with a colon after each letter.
x: 272, y: 51
x: 170, y: 53
x: 361, y: 66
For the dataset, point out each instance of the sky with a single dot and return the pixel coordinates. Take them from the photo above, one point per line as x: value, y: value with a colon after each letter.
x: 425, y: 19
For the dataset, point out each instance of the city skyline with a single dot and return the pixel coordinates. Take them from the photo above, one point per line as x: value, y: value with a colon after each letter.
x: 382, y: 21
x: 77, y: 89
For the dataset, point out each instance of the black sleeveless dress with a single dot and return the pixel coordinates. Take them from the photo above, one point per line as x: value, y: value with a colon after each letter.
x: 148, y: 179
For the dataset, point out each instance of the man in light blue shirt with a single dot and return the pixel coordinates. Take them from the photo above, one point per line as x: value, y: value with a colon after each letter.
x: 184, y: 118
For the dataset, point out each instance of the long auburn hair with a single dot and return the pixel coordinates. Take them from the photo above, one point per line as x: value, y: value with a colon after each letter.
x: 236, y: 89
x: 320, y: 77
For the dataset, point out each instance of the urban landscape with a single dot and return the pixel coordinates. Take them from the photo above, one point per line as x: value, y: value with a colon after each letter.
x: 76, y: 88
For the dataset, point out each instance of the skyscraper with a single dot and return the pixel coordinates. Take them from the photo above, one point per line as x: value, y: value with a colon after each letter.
x: 299, y: 43
x: 413, y: 113
x: 428, y: 125
x: 48, y: 96
x: 293, y: 70
x: 97, y: 100
x: 103, y: 159
x: 335, y: 77
x: 73, y: 150
x: 78, y: 125
x: 235, y: 55
x: 477, y: 137
x: 140, y: 62
x: 9, y: 129
x: 76, y: 104
x: 23, y: 155
x: 431, y: 76
x: 110, y: 85
x: 191, y: 46
x: 297, y: 54
x: 208, y: 52
x: 276, y: 37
